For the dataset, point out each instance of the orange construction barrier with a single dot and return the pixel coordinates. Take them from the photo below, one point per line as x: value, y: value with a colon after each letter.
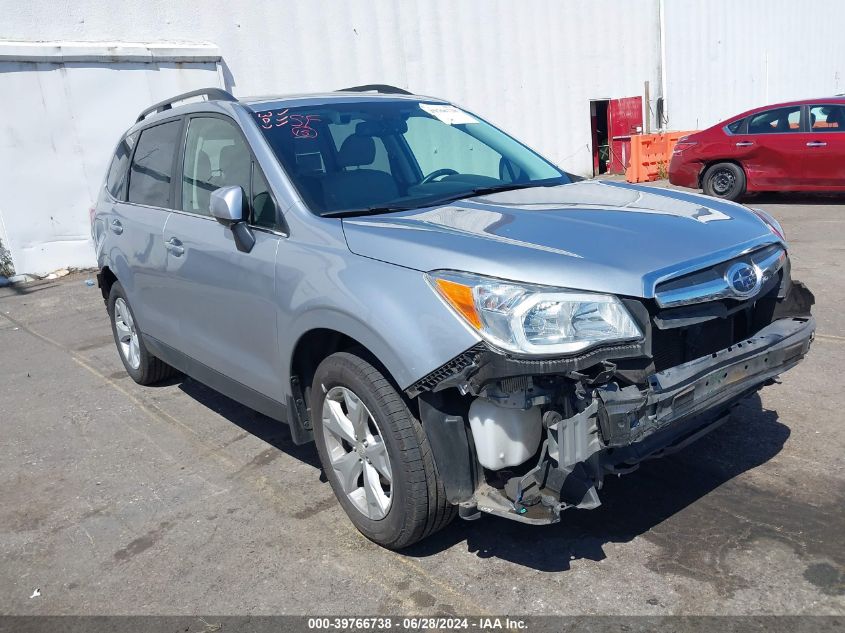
x: 650, y: 155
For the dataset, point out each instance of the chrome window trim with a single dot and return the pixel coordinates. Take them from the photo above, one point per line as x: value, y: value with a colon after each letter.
x: 714, y: 289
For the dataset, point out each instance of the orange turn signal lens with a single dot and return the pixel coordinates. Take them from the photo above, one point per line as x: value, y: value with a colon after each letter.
x: 459, y: 297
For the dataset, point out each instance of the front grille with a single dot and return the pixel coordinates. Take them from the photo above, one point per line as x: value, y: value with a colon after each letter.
x: 736, y: 321
x: 680, y: 345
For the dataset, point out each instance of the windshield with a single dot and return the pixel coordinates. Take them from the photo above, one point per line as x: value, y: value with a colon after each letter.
x: 393, y: 154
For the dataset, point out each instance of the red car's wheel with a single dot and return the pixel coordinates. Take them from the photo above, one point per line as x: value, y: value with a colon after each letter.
x: 724, y: 180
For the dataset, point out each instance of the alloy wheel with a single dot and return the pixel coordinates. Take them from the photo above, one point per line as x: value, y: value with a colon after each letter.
x: 357, y: 452
x: 127, y: 335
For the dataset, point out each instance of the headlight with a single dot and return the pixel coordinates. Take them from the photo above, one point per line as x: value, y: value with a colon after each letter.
x: 773, y: 224
x: 534, y: 320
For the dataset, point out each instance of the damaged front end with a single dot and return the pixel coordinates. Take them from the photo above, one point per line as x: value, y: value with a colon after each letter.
x: 526, y: 439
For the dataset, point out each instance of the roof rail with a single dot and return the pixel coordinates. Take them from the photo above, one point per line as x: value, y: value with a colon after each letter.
x: 211, y: 94
x: 381, y: 88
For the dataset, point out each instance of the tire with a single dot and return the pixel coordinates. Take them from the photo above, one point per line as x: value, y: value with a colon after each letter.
x: 416, y: 503
x: 724, y: 180
x: 140, y: 364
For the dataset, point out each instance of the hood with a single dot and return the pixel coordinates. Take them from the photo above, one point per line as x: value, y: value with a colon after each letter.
x: 593, y: 235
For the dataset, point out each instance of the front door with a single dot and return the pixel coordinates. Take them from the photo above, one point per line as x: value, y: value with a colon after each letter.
x: 775, y: 146
x: 226, y: 298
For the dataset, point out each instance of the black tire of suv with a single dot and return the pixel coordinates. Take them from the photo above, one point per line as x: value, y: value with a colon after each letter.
x: 418, y: 500
x: 151, y: 369
x: 729, y: 171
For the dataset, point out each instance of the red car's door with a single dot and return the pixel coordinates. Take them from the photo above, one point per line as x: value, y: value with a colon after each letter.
x: 824, y: 160
x: 777, y: 145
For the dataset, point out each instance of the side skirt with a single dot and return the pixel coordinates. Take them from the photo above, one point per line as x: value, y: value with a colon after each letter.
x: 212, y: 378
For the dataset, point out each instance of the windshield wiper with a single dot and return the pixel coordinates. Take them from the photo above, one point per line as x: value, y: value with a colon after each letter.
x: 351, y: 213
x: 476, y: 191
x: 483, y: 191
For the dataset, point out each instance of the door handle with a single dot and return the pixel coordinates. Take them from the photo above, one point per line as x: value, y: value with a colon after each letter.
x: 816, y: 144
x: 745, y: 144
x: 116, y: 226
x: 174, y: 246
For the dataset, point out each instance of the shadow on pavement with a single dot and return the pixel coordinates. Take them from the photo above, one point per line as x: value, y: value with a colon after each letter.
x: 642, y: 503
x: 794, y: 197
x: 271, y: 431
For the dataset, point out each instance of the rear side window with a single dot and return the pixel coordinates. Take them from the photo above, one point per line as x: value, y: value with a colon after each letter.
x: 116, y: 178
x: 827, y: 118
x: 734, y: 127
x: 776, y: 121
x: 152, y: 166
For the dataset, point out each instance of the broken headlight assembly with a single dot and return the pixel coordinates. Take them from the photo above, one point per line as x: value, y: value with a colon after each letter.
x: 534, y: 320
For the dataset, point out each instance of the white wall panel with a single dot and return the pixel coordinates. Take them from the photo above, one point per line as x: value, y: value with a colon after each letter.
x: 724, y: 56
x: 528, y: 67
x: 59, y: 124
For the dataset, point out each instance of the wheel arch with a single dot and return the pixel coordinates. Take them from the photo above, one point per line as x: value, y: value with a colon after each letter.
x: 331, y: 332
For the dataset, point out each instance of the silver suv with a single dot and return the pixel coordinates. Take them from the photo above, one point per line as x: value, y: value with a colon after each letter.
x: 459, y: 325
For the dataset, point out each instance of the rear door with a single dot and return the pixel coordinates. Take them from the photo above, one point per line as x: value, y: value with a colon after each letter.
x: 137, y: 227
x: 773, y: 148
x: 824, y: 161
x: 225, y: 297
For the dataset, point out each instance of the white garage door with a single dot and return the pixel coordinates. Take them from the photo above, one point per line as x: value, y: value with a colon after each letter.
x: 61, y: 113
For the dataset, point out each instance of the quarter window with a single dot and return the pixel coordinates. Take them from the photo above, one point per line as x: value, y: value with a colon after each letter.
x: 827, y: 118
x: 263, y: 207
x: 776, y: 121
x: 116, y: 178
x: 215, y: 156
x: 152, y: 165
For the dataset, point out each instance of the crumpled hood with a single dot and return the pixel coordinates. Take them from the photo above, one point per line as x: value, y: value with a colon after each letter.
x: 593, y: 235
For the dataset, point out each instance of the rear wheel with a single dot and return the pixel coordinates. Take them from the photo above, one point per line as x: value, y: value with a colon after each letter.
x: 143, y: 367
x: 724, y: 180
x: 375, y: 454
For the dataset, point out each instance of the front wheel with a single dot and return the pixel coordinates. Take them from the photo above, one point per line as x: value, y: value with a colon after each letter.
x: 375, y: 454
x: 724, y: 180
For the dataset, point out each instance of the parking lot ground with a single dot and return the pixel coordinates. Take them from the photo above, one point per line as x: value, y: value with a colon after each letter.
x: 121, y: 499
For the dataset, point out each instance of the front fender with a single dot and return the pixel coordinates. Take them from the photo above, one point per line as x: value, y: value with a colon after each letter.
x: 391, y: 311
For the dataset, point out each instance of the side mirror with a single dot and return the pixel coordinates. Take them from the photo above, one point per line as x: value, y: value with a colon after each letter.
x: 229, y: 206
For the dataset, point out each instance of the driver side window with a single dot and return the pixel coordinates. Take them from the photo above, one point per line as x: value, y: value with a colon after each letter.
x: 437, y: 146
x: 215, y: 156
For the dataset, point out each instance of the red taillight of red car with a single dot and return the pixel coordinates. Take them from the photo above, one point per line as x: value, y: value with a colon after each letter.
x: 683, y: 144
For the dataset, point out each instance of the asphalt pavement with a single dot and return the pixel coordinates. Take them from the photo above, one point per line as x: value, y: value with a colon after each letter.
x: 121, y: 499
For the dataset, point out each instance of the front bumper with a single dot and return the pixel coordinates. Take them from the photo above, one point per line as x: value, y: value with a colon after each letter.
x: 619, y: 427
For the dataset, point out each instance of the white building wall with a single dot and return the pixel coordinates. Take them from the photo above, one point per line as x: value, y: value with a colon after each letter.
x: 724, y: 57
x: 59, y: 123
x: 530, y: 68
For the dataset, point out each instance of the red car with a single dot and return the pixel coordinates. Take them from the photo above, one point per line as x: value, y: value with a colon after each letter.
x: 796, y: 146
